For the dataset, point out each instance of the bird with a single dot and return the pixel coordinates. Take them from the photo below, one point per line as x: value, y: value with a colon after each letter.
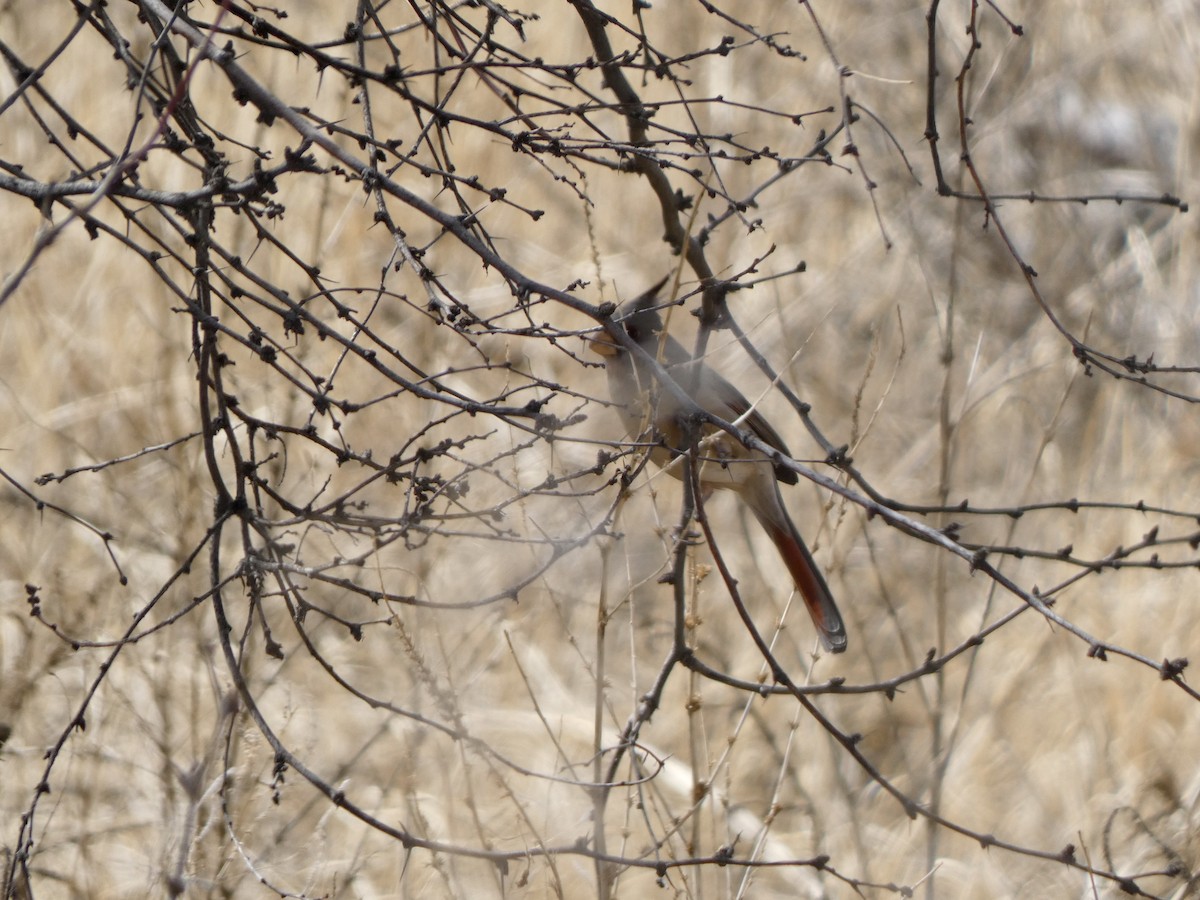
x: 725, y: 462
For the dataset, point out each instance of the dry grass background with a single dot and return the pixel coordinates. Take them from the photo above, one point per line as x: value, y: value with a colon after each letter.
x: 930, y: 358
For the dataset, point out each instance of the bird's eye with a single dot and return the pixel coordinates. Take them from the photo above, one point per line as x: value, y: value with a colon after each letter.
x: 632, y: 331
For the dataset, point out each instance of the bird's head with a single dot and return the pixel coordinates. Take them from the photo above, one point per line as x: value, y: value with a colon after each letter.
x: 640, y: 320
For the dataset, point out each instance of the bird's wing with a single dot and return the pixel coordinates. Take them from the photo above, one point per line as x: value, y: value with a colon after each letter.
x: 739, y: 406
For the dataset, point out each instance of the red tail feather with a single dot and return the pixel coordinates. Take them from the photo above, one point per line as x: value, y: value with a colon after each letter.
x: 806, y: 575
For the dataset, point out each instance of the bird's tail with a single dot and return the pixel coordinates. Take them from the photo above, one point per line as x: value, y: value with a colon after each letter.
x: 774, y: 519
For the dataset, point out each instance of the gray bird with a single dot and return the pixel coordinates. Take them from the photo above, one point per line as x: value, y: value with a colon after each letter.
x: 726, y: 463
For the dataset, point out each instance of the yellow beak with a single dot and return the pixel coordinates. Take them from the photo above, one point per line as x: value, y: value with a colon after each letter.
x: 603, y: 344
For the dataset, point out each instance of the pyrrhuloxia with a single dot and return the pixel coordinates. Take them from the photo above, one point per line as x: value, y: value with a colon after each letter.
x: 725, y: 462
